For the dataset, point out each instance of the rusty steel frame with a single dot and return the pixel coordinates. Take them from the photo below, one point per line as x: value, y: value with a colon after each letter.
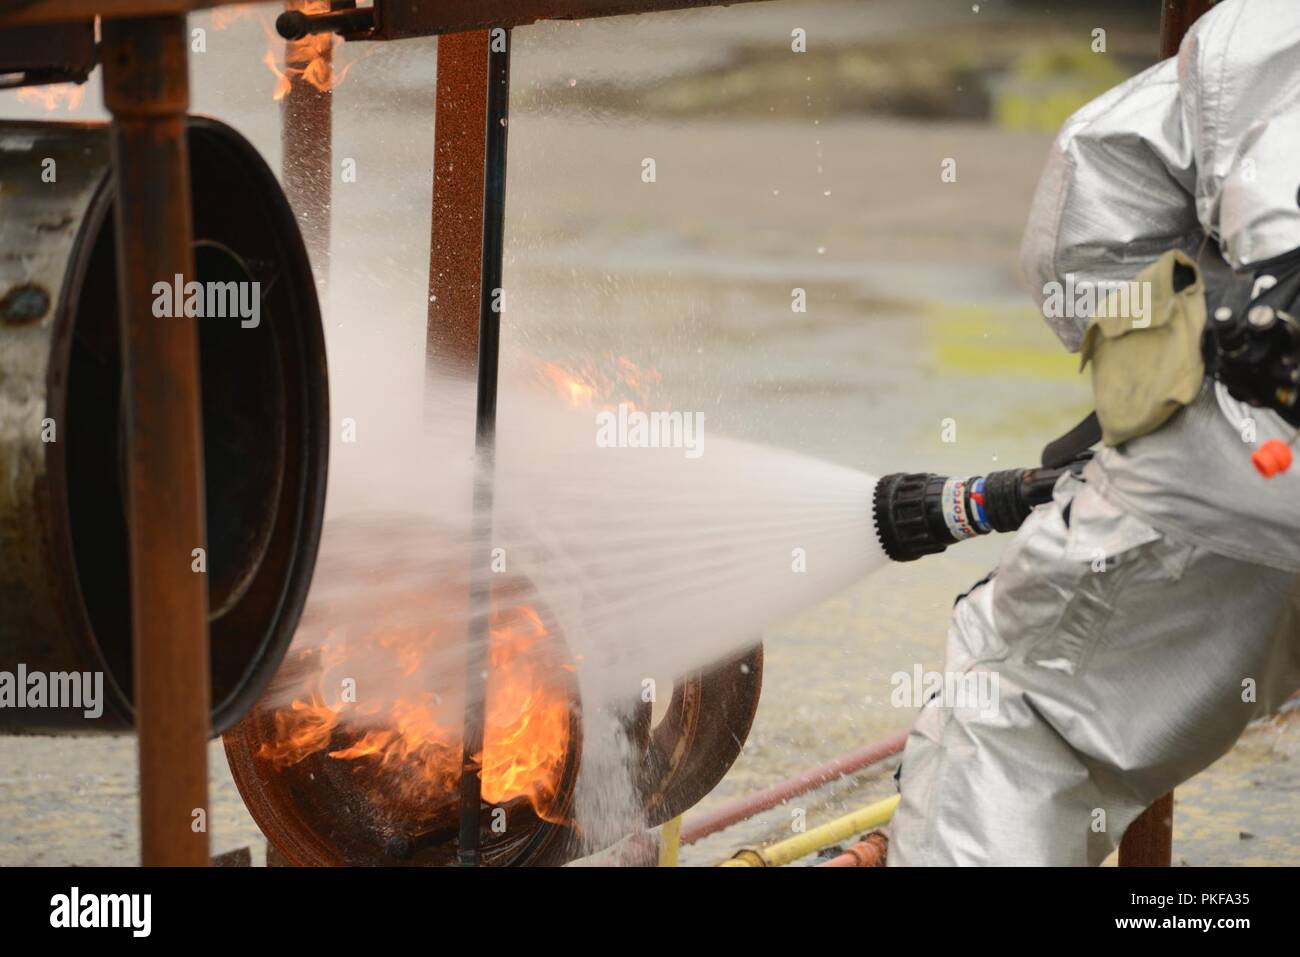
x: 456, y: 233
x: 146, y: 88
x: 407, y: 19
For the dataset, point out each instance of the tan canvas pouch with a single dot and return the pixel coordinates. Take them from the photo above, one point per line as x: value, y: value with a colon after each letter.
x: 1144, y: 346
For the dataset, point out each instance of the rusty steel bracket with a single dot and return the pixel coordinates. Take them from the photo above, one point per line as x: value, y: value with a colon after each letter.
x: 47, y: 53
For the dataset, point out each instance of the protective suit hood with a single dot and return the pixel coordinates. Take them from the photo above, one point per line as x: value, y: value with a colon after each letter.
x: 1206, y: 144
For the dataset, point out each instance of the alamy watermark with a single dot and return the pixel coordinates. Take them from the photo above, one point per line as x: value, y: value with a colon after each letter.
x: 968, y: 690
x: 209, y: 300
x: 630, y: 428
x: 55, y: 689
x: 74, y: 909
x: 1102, y: 299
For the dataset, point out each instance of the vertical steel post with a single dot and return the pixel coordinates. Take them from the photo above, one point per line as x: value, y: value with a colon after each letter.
x: 306, y: 127
x: 1149, y: 840
x: 489, y: 331
x: 146, y: 87
x: 456, y: 240
x: 1176, y: 18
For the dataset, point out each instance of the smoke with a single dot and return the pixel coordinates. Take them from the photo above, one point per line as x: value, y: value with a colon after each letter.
x: 650, y: 558
x: 653, y: 561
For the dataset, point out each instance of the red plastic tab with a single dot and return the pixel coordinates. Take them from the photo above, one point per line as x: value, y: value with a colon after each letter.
x: 1272, y: 458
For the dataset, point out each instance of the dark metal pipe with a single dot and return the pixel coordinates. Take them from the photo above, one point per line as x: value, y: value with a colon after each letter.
x: 399, y: 19
x: 146, y: 87
x: 296, y: 25
x: 489, y: 337
x: 1176, y: 18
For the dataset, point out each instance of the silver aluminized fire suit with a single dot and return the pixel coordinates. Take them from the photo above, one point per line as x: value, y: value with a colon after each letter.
x: 1123, y: 677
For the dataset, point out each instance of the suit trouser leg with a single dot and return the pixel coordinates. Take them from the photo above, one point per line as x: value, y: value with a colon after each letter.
x: 1125, y: 663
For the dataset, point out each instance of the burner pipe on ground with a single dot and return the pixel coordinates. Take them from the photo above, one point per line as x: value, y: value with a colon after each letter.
x: 871, y: 851
x: 489, y: 335
x: 801, y: 845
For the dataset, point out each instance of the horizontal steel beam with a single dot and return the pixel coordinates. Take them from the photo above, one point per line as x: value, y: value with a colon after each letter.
x: 49, y: 53
x: 18, y: 12
x: 395, y: 19
x: 400, y: 19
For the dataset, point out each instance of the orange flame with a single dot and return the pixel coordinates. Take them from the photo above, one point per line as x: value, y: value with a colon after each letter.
x: 223, y: 17
x: 54, y: 96
x: 600, y: 385
x: 409, y: 748
x: 309, y: 59
x: 282, y: 82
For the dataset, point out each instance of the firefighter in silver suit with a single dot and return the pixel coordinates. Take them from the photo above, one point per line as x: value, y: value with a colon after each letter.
x: 1122, y: 678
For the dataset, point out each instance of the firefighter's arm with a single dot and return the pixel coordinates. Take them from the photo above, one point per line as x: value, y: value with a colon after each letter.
x: 1116, y: 193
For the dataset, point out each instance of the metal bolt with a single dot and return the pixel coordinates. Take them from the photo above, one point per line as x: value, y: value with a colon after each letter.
x: 1261, y: 317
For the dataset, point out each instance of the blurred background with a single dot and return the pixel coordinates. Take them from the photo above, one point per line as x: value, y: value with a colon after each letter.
x: 775, y: 170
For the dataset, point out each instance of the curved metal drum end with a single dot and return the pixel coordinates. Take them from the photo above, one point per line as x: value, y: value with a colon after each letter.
x: 64, y: 567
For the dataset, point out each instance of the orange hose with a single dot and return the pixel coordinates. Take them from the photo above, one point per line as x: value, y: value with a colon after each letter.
x: 869, y: 852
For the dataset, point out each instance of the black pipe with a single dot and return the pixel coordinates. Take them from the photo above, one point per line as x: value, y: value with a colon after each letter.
x: 489, y: 340
x: 296, y: 25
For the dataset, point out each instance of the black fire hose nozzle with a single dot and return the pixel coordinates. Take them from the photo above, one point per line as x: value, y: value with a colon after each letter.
x: 919, y: 513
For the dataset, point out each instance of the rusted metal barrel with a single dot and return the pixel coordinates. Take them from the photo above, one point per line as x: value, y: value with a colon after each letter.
x: 354, y: 755
x: 700, y: 735
x: 372, y: 778
x: 64, y: 572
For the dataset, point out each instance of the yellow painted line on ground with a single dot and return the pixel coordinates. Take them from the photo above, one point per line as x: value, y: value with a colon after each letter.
x: 974, y: 339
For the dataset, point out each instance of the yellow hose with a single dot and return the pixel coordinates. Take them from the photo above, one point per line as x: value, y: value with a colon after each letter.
x: 670, y: 840
x: 790, y: 850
